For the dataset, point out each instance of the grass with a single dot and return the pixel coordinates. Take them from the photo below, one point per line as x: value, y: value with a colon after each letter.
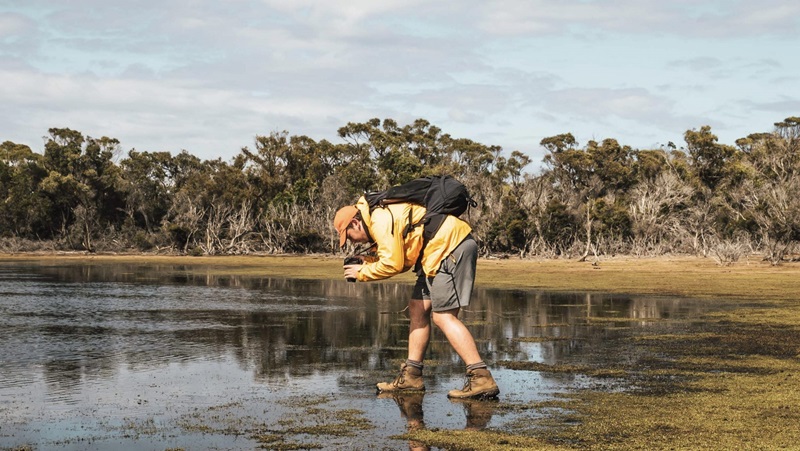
x: 728, y: 380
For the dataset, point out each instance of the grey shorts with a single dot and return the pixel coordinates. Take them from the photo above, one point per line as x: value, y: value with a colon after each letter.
x: 451, y: 287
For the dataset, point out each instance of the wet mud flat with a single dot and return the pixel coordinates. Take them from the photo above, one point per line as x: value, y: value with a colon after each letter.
x: 175, y: 358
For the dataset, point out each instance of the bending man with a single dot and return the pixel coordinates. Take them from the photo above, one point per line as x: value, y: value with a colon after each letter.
x: 444, y: 284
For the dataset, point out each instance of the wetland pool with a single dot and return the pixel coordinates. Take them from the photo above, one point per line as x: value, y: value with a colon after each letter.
x: 159, y: 356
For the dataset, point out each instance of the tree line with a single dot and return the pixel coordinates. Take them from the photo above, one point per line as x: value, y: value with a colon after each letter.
x: 602, y: 198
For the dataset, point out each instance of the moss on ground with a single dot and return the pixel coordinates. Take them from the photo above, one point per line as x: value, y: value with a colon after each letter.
x: 724, y: 383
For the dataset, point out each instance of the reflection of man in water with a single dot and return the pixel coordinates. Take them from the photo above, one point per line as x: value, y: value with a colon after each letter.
x: 410, y: 404
x: 477, y: 412
x: 444, y: 284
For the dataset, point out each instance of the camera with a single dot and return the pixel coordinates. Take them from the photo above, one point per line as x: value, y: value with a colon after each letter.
x: 352, y: 261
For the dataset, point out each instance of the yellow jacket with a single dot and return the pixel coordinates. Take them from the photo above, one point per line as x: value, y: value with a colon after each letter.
x: 396, y: 254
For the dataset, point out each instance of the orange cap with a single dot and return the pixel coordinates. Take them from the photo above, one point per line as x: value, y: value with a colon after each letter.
x: 342, y: 221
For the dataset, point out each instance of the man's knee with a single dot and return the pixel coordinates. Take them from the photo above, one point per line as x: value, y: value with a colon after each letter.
x: 419, y: 310
x: 445, y: 317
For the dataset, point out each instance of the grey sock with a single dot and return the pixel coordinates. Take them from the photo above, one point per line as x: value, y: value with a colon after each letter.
x: 415, y: 364
x: 476, y: 366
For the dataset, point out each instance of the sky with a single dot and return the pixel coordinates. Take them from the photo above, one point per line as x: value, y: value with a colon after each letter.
x: 208, y: 76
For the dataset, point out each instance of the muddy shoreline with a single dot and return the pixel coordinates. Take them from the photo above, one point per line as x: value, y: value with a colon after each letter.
x: 750, y: 278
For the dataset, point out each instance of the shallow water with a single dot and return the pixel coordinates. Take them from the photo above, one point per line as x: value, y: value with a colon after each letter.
x: 167, y: 356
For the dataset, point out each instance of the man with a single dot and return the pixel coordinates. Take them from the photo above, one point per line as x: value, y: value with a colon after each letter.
x: 444, y: 284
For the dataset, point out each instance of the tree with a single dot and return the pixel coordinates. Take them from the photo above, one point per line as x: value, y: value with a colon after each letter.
x: 656, y: 205
x: 511, y: 229
x: 769, y: 198
x: 83, y: 184
x: 279, y: 194
x: 186, y: 215
x: 710, y: 162
x: 470, y: 159
x: 147, y: 184
x: 590, y: 181
x: 24, y: 209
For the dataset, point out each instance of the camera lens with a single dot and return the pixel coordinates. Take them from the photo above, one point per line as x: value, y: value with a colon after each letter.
x: 351, y: 261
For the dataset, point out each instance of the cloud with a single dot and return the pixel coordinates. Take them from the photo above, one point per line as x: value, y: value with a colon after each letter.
x: 679, y: 18
x: 544, y: 17
x: 701, y: 63
x: 153, y: 114
x: 776, y: 17
x: 776, y: 107
x: 598, y: 102
x: 632, y: 115
x: 208, y: 76
x: 18, y: 35
x: 13, y: 25
x: 343, y: 17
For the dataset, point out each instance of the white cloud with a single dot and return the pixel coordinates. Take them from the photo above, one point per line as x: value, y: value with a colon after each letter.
x: 596, y: 102
x: 546, y: 17
x: 769, y: 16
x: 686, y: 17
x: 703, y: 63
x: 462, y: 116
x: 777, y: 107
x: 13, y: 25
x: 150, y: 114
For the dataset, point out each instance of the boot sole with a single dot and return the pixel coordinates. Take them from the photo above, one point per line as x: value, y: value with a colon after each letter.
x: 402, y: 390
x: 489, y: 394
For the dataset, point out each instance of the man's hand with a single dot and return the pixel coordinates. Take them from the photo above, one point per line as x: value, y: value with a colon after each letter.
x: 351, y: 271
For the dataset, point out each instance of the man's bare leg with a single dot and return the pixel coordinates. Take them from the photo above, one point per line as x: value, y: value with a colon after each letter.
x: 419, y: 331
x: 458, y: 335
x: 479, y: 383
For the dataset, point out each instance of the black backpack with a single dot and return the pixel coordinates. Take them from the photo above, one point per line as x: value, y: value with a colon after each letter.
x: 440, y: 195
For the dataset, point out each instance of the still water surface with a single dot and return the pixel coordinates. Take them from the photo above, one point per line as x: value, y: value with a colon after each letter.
x: 168, y: 356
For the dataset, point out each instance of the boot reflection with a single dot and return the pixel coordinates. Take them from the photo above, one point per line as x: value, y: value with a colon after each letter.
x: 410, y: 404
x: 478, y: 412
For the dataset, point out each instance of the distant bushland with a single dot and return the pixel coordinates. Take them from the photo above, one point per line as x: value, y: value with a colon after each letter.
x: 602, y: 198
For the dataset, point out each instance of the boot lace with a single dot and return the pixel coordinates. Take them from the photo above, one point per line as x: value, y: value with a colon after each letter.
x: 468, y: 383
x: 401, y: 378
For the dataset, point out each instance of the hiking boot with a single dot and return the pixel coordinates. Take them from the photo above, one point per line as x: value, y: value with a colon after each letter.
x: 479, y: 384
x: 410, y: 379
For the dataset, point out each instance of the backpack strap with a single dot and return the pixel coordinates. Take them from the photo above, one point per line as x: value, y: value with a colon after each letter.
x: 431, y: 223
x: 411, y: 224
x: 371, y: 209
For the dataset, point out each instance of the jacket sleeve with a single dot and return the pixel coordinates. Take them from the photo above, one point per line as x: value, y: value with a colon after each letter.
x: 389, y: 240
